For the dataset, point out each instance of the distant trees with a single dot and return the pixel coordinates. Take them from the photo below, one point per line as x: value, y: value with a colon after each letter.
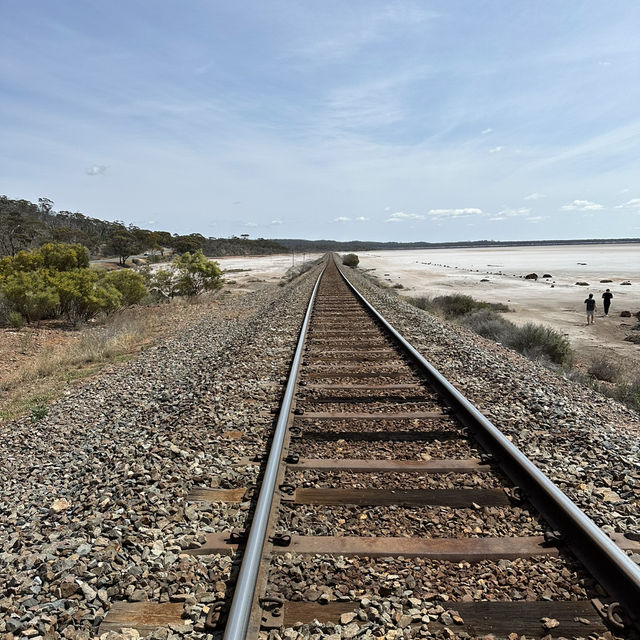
x: 122, y: 242
x: 187, y: 244
x: 25, y: 225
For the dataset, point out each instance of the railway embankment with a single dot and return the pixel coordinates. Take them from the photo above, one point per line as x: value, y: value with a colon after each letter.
x: 93, y: 505
x: 588, y: 444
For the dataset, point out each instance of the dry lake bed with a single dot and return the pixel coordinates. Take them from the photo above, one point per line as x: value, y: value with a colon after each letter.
x: 496, y: 274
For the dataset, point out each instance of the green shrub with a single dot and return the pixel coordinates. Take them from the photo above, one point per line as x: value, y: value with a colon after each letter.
x: 350, y: 260
x: 82, y: 297
x: 489, y: 324
x: 38, y: 412
x: 32, y: 294
x: 197, y: 274
x: 129, y: 283
x: 64, y: 257
x: 537, y: 341
x: 454, y: 306
x: 15, y: 319
x: 532, y: 340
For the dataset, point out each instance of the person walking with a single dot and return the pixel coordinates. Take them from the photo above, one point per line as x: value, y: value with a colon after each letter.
x: 591, y: 309
x: 606, y: 297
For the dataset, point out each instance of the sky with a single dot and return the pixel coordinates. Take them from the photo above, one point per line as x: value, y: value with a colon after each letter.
x: 351, y: 119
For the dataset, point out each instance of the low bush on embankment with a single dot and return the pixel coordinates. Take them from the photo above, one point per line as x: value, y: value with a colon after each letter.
x: 532, y: 340
x: 454, y: 306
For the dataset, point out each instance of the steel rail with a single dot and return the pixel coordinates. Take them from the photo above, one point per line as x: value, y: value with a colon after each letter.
x: 599, y: 554
x: 240, y: 611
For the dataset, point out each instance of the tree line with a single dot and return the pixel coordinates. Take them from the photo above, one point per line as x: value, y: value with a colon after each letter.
x: 25, y: 225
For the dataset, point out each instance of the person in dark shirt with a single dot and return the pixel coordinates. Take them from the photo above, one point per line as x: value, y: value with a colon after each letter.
x: 606, y: 297
x: 591, y: 309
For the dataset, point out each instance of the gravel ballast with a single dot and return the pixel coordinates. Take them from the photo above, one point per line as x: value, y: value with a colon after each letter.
x: 586, y: 443
x: 92, y: 501
x: 93, y: 505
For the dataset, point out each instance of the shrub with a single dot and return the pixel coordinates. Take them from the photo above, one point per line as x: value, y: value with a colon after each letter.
x: 605, y: 369
x: 629, y: 393
x: 129, y: 283
x: 31, y: 294
x: 197, y: 274
x: 15, y: 319
x: 82, y: 297
x: 350, y: 260
x: 64, y: 257
x: 422, y: 302
x: 163, y: 283
x: 489, y: 324
x: 38, y: 412
x: 538, y: 341
x: 454, y: 306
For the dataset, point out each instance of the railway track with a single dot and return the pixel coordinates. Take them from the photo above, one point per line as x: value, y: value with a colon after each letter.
x: 387, y: 499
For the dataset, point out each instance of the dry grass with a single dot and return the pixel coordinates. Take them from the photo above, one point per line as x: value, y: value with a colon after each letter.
x: 51, y: 370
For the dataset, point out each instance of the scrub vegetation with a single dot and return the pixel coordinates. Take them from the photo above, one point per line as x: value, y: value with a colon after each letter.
x: 532, y: 340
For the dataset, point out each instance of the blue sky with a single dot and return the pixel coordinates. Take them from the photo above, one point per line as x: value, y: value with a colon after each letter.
x: 351, y: 119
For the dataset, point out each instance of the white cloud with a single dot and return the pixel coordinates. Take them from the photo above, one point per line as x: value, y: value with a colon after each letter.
x: 512, y: 213
x: 582, y: 205
x: 400, y: 216
x: 455, y: 213
x: 275, y: 222
x: 535, y: 219
x: 361, y: 219
x: 250, y: 224
x: 496, y: 149
x: 96, y: 170
x: 487, y: 130
x: 634, y: 203
x: 535, y: 196
x: 495, y: 218
x: 342, y: 219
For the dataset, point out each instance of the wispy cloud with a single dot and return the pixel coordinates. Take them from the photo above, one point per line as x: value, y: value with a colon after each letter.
x: 487, y: 130
x: 400, y: 216
x: 342, y: 219
x: 512, y: 213
x: 96, y: 170
x: 274, y: 223
x: 496, y: 149
x: 634, y: 203
x: 582, y: 205
x: 535, y: 219
x: 361, y: 219
x: 350, y: 32
x: 535, y: 196
x: 455, y: 213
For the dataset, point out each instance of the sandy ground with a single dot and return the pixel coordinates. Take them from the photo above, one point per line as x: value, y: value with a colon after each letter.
x: 497, y: 275
x: 247, y: 271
